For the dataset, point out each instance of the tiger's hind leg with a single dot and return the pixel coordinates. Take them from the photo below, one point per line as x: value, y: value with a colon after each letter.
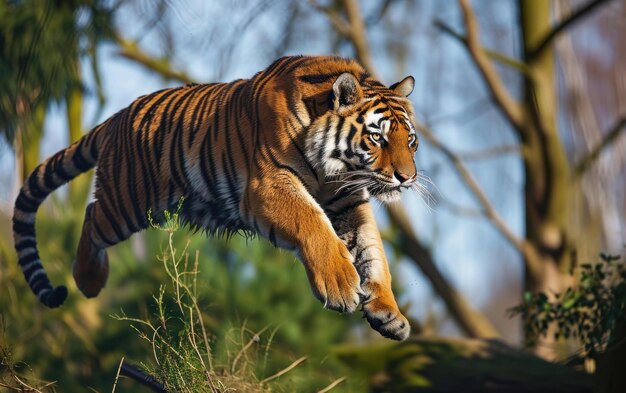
x: 91, y: 266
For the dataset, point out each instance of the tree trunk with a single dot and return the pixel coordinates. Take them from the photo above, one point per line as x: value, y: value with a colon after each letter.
x: 79, y: 187
x: 29, y: 143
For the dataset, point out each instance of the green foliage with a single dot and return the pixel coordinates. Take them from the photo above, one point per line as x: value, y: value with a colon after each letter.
x: 41, y: 44
x: 588, y: 312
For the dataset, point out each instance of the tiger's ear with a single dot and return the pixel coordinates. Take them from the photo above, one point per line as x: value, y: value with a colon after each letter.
x: 404, y: 87
x: 346, y: 91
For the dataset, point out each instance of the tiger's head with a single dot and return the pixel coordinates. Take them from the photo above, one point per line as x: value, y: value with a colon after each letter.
x: 368, y: 136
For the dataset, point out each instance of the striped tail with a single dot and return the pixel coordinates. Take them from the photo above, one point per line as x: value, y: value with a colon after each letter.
x: 47, y: 177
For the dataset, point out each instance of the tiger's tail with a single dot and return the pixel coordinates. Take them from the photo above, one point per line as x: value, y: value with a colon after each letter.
x: 57, y: 170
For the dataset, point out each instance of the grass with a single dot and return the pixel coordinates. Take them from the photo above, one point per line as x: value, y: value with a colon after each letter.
x: 17, y: 376
x: 182, y: 356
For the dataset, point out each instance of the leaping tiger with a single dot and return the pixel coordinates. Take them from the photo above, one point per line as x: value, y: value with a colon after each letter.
x: 292, y: 154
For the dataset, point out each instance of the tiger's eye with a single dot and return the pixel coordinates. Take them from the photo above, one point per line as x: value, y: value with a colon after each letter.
x: 375, y: 137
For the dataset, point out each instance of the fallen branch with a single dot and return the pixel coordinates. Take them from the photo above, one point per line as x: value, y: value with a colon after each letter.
x: 137, y: 374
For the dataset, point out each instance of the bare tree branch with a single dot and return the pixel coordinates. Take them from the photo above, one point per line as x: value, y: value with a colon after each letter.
x: 474, y: 323
x: 493, y: 54
x: 489, y: 153
x: 593, y: 155
x: 353, y: 29
x: 564, y: 24
x: 473, y: 185
x: 335, y: 19
x: 359, y: 35
x: 131, y: 51
x: 534, y: 265
x: 511, y: 108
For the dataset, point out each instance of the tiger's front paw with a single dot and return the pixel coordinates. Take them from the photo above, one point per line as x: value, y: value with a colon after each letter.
x: 384, y: 317
x: 336, y: 283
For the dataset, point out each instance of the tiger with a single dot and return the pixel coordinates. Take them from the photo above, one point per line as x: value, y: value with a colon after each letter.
x: 292, y: 155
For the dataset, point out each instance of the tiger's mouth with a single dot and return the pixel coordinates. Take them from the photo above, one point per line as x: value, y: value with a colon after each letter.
x: 386, y: 191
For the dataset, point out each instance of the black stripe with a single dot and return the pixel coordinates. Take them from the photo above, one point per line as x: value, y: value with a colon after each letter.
x: 318, y: 78
x: 338, y: 130
x: 48, y: 174
x: 336, y: 214
x: 304, y: 157
x: 111, y: 219
x: 23, y: 228
x: 40, y: 283
x: 197, y: 116
x: 130, y: 160
x: 101, y: 235
x: 78, y: 159
x: 29, y: 272
x: 206, y: 158
x: 93, y: 149
x: 286, y: 167
x: 272, y: 236
x: 322, y: 150
x: 344, y: 193
x: 350, y: 150
x: 59, y: 169
x: 26, y: 259
x: 25, y: 244
x: 216, y: 117
x: 236, y: 102
x: 33, y: 186
x: 24, y: 204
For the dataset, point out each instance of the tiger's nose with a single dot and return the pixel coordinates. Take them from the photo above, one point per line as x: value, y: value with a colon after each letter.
x: 402, y: 177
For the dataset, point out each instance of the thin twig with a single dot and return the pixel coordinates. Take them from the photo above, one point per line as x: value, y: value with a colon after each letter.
x: 353, y: 29
x: 562, y: 25
x: 607, y: 140
x: 255, y: 338
x: 117, y: 375
x: 473, y: 185
x: 523, y: 246
x: 285, y: 370
x: 10, y: 387
x: 337, y: 21
x: 332, y: 385
x: 493, y: 54
x: 131, y: 51
x: 511, y: 108
x: 488, y: 153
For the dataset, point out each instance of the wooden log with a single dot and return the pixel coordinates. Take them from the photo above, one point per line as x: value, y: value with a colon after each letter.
x: 460, y: 365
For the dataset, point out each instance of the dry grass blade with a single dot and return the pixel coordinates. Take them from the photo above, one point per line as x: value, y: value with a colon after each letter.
x: 285, y: 370
x: 117, y: 375
x: 332, y: 385
x: 255, y: 338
